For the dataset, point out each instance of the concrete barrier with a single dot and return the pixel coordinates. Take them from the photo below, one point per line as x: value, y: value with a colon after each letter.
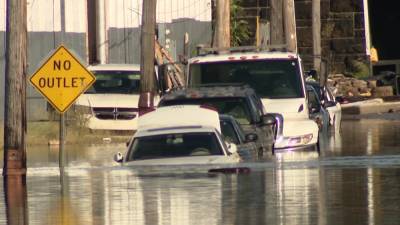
x: 370, y: 107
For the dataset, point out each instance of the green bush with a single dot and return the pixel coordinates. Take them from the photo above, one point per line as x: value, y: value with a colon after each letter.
x: 359, y: 69
x: 240, y: 32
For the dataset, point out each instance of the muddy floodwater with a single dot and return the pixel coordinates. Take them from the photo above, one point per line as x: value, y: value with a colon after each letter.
x: 355, y: 180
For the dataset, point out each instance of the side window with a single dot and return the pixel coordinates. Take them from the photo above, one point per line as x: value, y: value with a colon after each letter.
x: 260, y: 106
x: 228, y: 131
x: 254, y: 110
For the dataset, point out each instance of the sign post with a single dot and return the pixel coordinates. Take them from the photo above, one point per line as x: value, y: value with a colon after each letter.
x: 61, y: 79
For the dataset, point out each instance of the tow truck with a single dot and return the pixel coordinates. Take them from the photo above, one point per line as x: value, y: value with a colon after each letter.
x: 277, y: 77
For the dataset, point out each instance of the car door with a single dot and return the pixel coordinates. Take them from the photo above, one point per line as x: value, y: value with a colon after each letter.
x: 232, y: 133
x: 265, y: 133
x: 247, y: 148
x: 316, y: 110
x: 334, y: 109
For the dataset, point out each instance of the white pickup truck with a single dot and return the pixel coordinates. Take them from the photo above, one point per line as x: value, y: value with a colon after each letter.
x: 278, y: 79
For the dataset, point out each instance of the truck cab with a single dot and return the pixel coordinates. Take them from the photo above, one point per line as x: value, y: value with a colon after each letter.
x: 276, y: 76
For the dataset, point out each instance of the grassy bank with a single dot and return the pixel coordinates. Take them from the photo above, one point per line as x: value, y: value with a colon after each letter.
x: 45, y: 132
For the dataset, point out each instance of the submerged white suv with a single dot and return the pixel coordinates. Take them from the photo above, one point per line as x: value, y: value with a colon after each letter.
x: 179, y: 135
x: 112, y: 101
x: 278, y: 79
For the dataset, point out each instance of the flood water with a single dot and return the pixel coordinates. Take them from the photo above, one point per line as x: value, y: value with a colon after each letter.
x: 355, y: 180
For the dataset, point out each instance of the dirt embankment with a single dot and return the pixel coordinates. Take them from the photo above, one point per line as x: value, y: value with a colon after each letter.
x: 352, y: 87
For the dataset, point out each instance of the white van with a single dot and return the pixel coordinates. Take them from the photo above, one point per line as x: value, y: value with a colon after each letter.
x: 277, y: 78
x: 112, y: 101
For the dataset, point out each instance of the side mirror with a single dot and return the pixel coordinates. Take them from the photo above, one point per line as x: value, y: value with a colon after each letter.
x: 118, y: 157
x: 232, y: 148
x: 252, y: 137
x: 268, y: 120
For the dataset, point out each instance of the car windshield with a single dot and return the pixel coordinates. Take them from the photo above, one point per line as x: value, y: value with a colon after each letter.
x: 229, y: 133
x: 236, y: 107
x: 115, y: 82
x: 174, y: 145
x: 269, y: 78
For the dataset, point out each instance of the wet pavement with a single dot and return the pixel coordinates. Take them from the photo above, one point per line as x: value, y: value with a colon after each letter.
x: 355, y: 180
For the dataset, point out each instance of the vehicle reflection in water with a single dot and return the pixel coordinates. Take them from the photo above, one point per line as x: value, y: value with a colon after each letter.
x: 278, y: 196
x: 295, y: 156
x: 298, y: 187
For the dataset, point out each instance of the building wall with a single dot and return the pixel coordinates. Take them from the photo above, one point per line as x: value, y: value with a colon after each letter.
x: 55, y: 22
x: 174, y: 18
x: 343, y: 32
x: 50, y: 24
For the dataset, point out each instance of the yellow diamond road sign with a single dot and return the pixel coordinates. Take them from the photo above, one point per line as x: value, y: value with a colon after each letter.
x: 61, y: 79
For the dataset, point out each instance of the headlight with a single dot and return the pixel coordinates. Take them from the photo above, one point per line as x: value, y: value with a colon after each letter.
x: 299, y: 140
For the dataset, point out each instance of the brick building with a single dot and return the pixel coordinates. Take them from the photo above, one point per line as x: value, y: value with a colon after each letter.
x: 342, y: 27
x: 343, y: 36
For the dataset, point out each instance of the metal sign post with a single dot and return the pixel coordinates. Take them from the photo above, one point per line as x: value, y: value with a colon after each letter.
x: 61, y: 79
x: 61, y: 142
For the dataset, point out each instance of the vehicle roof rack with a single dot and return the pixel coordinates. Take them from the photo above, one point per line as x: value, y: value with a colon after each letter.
x: 206, y: 50
x: 220, y: 85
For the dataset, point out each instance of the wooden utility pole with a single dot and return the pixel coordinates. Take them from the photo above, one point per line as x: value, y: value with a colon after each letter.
x: 147, y: 79
x: 222, y: 34
x: 290, y: 25
x: 276, y: 22
x: 316, y: 25
x: 15, y: 83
